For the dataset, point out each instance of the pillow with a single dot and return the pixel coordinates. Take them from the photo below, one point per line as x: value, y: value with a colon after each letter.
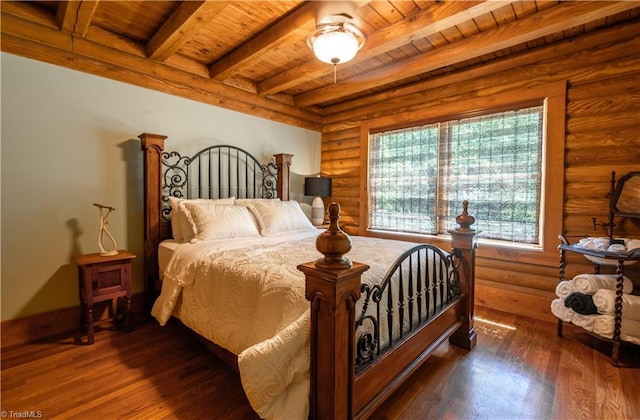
x: 180, y: 227
x: 211, y: 221
x: 245, y: 201
x: 275, y: 216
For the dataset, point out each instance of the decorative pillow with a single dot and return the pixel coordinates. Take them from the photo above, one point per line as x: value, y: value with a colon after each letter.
x: 275, y: 216
x: 180, y: 227
x: 247, y: 202
x: 211, y: 221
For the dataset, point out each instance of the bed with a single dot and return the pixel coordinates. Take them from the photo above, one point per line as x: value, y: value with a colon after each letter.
x: 316, y: 323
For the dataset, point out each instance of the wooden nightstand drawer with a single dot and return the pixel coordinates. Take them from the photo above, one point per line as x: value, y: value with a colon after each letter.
x: 104, y: 278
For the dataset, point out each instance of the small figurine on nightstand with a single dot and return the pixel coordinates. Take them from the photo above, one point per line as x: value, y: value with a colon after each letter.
x: 103, y: 231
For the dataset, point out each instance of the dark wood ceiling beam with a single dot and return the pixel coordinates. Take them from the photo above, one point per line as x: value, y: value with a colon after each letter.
x: 301, y: 20
x: 546, y: 22
x: 75, y: 17
x: 421, y: 25
x: 188, y: 19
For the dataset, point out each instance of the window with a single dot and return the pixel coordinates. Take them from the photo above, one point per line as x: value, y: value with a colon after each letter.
x: 419, y: 176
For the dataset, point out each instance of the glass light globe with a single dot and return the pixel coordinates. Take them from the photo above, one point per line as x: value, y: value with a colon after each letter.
x: 335, y: 47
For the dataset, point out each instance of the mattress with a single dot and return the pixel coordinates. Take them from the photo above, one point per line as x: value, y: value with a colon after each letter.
x: 165, y: 251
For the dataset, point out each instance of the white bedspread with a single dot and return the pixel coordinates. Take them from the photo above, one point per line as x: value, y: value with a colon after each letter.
x: 248, y: 297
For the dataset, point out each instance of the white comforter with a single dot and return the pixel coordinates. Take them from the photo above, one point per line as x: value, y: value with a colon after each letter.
x: 247, y: 296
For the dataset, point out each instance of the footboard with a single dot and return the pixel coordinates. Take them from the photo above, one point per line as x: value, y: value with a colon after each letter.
x: 421, y: 283
x: 366, y: 340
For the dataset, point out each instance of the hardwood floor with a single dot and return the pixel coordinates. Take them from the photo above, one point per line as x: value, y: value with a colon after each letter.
x: 520, y: 369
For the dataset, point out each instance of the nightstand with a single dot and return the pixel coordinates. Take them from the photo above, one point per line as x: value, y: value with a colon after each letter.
x: 104, y: 278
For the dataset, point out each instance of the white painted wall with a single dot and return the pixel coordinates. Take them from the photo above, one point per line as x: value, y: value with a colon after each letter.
x: 69, y: 140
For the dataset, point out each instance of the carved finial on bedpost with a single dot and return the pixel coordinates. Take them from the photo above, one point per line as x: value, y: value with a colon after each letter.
x: 465, y: 220
x: 333, y: 243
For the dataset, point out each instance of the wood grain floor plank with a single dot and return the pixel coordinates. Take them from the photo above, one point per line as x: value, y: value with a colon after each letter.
x: 520, y: 370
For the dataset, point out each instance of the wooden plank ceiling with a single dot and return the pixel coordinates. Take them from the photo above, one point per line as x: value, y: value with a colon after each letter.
x: 252, y: 56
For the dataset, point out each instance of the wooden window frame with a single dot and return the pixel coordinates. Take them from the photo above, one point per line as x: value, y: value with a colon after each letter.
x: 551, y: 217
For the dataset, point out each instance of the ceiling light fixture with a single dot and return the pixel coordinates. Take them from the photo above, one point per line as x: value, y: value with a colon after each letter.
x: 336, y: 40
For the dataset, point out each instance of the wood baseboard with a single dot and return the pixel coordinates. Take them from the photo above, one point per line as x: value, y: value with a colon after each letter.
x: 56, y: 323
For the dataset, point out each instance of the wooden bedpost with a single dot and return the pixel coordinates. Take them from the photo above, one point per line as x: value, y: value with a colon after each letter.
x: 463, y: 242
x: 283, y: 162
x: 152, y: 145
x: 333, y: 288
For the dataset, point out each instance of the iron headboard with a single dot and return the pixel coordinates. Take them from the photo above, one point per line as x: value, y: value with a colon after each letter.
x: 219, y: 171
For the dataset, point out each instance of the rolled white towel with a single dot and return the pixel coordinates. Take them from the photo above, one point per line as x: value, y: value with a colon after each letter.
x: 564, y: 288
x: 629, y: 329
x: 630, y: 338
x: 632, y: 244
x: 589, y: 283
x: 583, y: 321
x: 604, y: 325
x: 605, y: 301
x: 561, y: 311
x: 567, y: 314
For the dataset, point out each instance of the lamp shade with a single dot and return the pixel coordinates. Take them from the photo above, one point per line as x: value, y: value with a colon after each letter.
x: 317, y: 186
x: 336, y: 40
x: 335, y: 47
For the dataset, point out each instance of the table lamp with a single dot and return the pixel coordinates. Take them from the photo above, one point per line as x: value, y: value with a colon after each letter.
x: 318, y: 187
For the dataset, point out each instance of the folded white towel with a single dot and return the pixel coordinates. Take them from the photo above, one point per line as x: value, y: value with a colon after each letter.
x: 600, y: 244
x: 603, y: 244
x: 629, y: 329
x: 589, y: 283
x: 605, y: 301
x: 632, y: 244
x: 564, y: 288
x: 561, y: 311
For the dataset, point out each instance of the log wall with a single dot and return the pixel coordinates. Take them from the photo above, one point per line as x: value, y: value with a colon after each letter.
x: 602, y: 133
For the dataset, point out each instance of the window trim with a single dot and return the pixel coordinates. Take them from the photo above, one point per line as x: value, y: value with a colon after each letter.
x: 551, y: 217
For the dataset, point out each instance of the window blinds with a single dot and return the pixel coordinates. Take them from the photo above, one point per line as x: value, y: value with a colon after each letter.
x: 403, y: 175
x: 419, y: 176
